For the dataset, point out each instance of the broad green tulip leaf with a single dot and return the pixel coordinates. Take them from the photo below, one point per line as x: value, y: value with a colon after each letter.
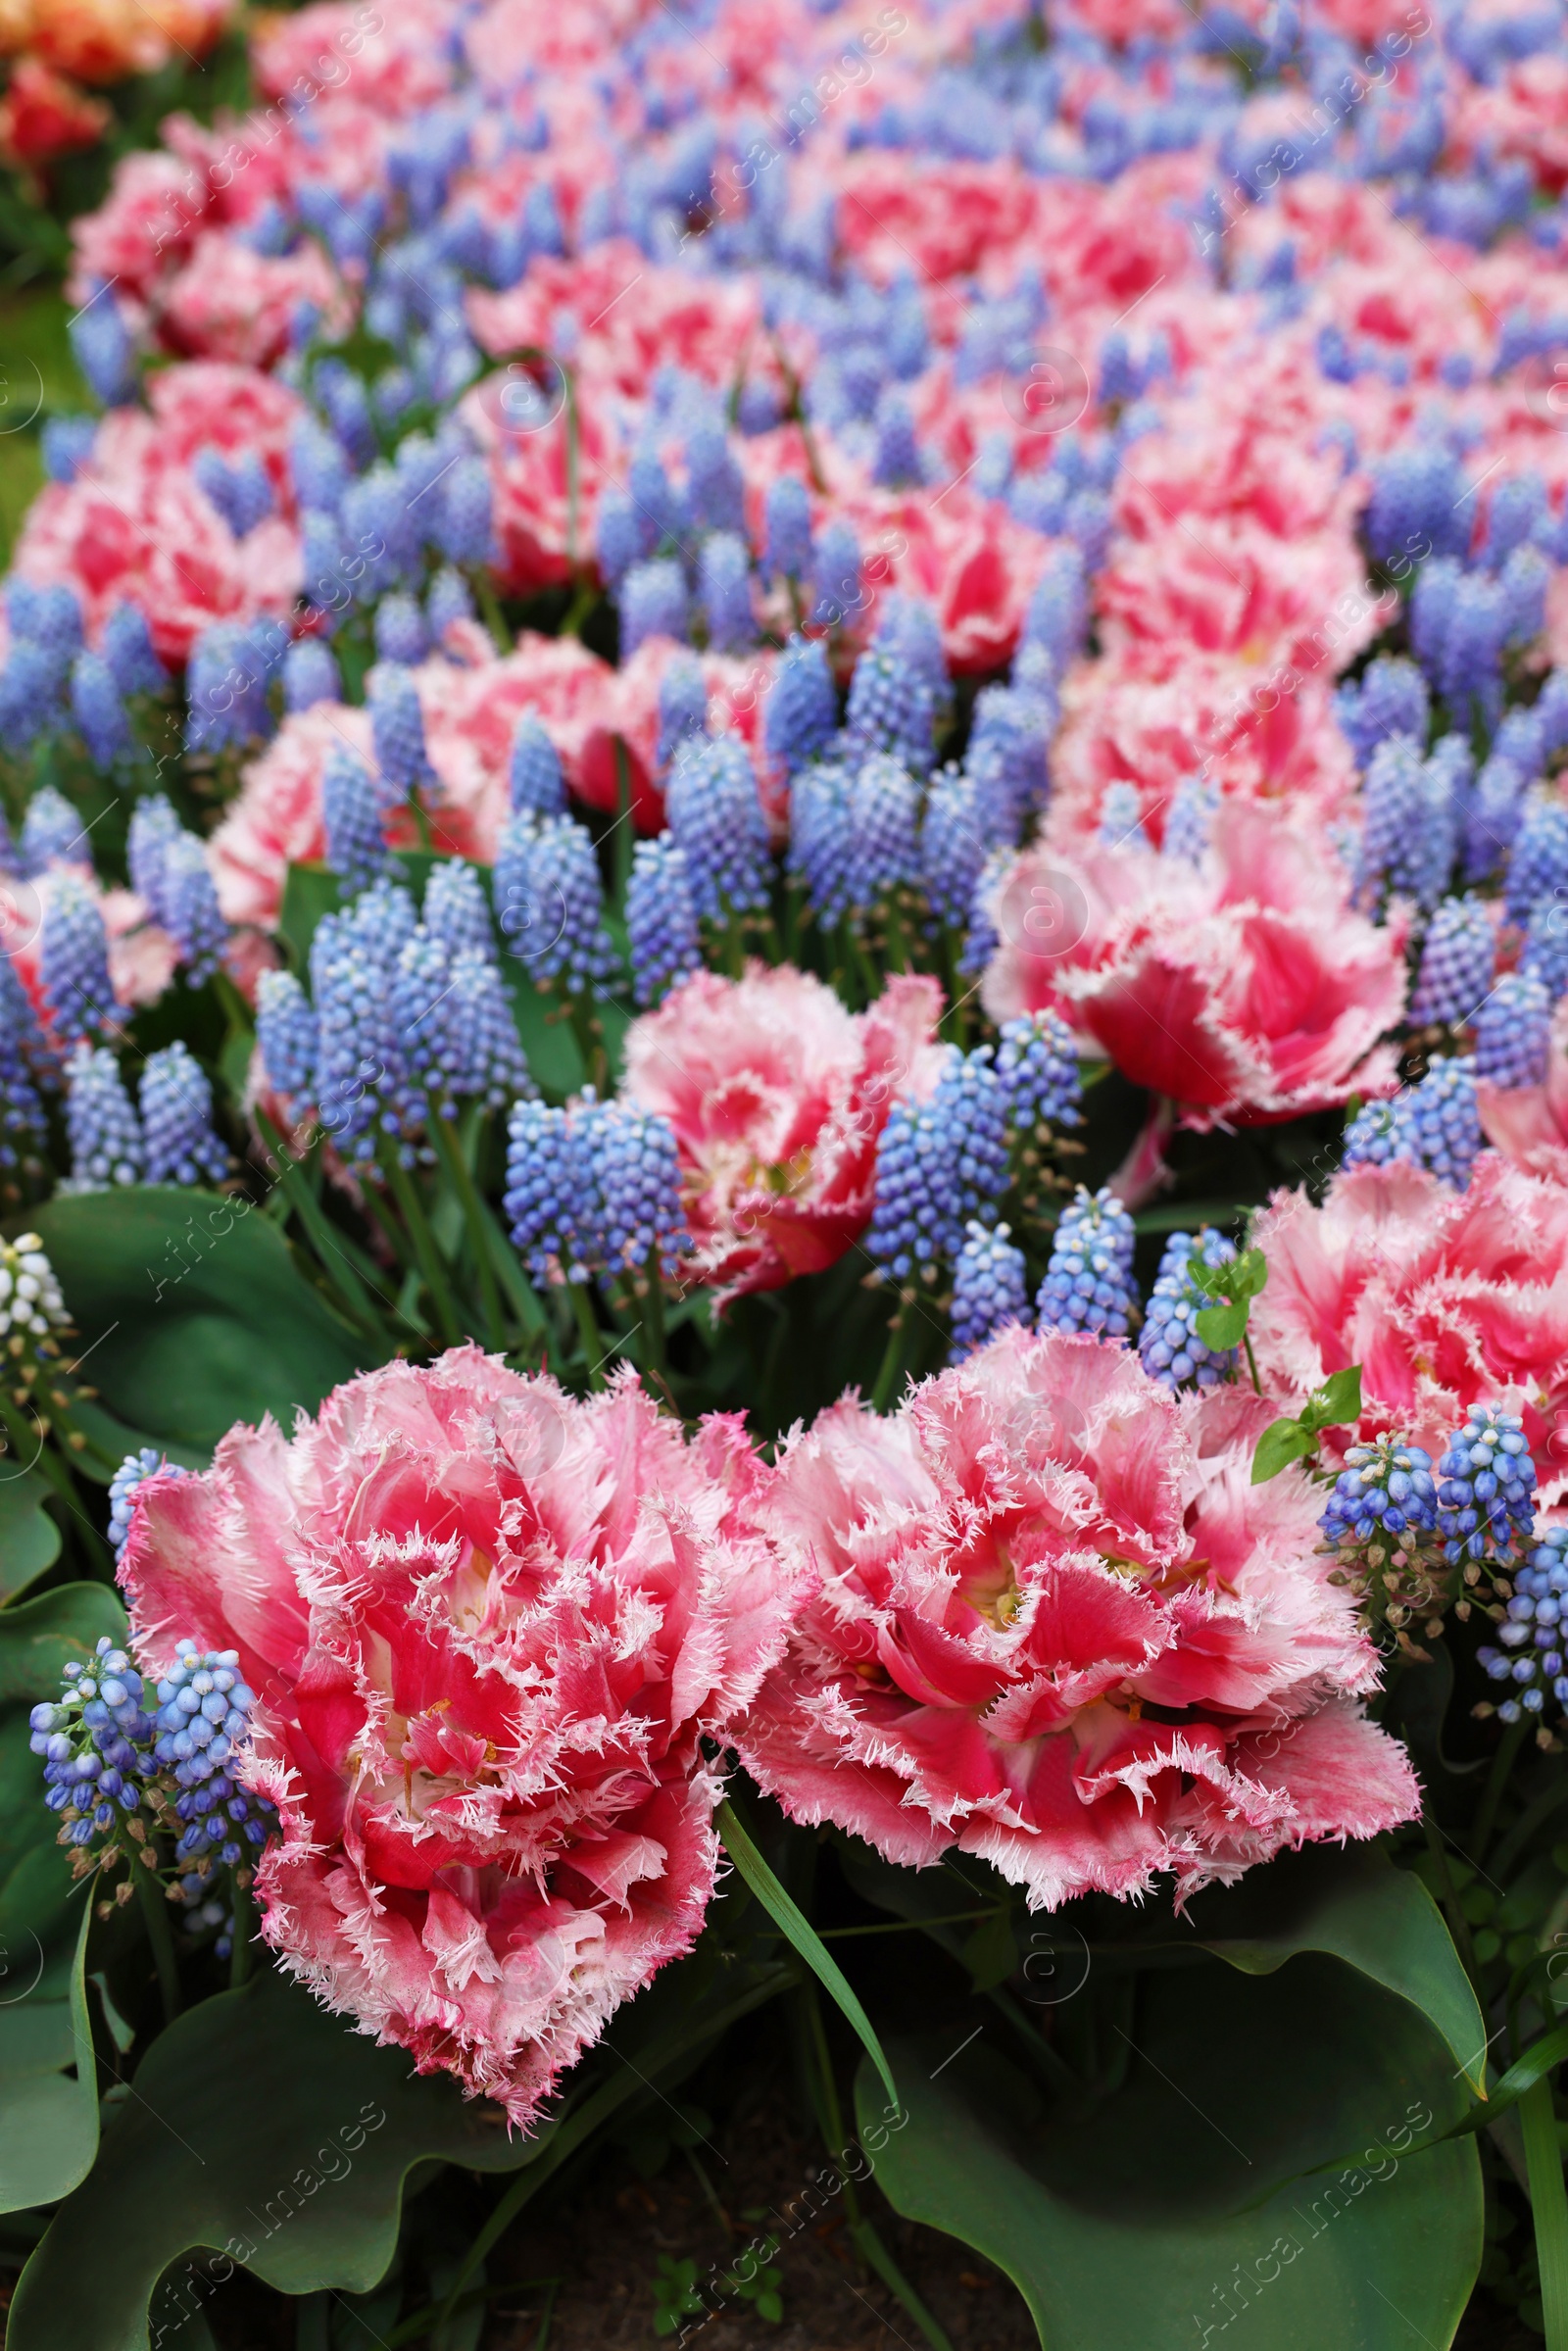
x: 41, y: 1637
x: 30, y: 1540
x: 1356, y: 1907
x: 265, y: 2131
x: 1164, y: 2212
x: 190, y: 1310
x: 49, y: 2118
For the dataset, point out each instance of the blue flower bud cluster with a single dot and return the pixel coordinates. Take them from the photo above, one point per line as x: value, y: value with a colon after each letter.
x: 593, y: 1189
x: 96, y: 1740
x: 1487, y: 1487
x: 1089, y: 1280
x: 990, y: 1287
x: 1532, y: 1637
x: 203, y: 1732
x: 1037, y: 1070
x: 940, y: 1164
x: 1386, y: 1494
x: 1169, y: 1344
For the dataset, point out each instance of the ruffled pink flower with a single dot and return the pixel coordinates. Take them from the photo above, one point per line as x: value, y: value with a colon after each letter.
x: 777, y: 1093
x: 1246, y: 988
x: 231, y: 303
x: 488, y: 1627
x: 1060, y: 1629
x: 1445, y: 1300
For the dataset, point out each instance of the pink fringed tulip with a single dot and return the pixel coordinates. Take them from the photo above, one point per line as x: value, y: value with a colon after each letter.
x: 1058, y: 1628
x: 1246, y: 988
x: 778, y: 1094
x: 488, y: 1627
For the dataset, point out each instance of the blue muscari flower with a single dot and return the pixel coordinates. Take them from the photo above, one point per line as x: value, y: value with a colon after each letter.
x: 1551, y: 711
x: 549, y: 901
x: 801, y: 716
x: 127, y: 648
x: 593, y: 1189
x: 660, y: 517
x: 1391, y: 698
x: 1458, y: 960
x: 939, y: 1164
x: 189, y: 910
x: 225, y: 686
x: 360, y: 1074
x: 74, y: 963
x: 836, y: 575
x: 725, y: 585
x: 1486, y: 1487
x: 1494, y: 816
x: 716, y: 491
x: 1407, y: 843
x: 953, y: 846
x: 617, y: 536
x: 351, y: 818
x: 1469, y: 669
x: 1512, y: 1029
x: 1089, y: 522
x: 1005, y: 755
x: 322, y: 466
x: 99, y: 343
x: 884, y: 813
x: 545, y: 1194
x: 822, y: 855
x: 1531, y: 1635
x: 487, y: 1062
x: 101, y: 1123
x: 343, y: 396
x: 990, y: 1287
x: 895, y: 458
x: 1524, y: 580
x: 449, y: 598
x: 1169, y: 1344
x: 286, y: 1034
x: 400, y: 629
x: 30, y: 695
x: 1417, y: 503
x: 1122, y: 817
x: 52, y: 832
x: 176, y: 1118
x: 1440, y: 1122
x: 636, y: 1182
x: 67, y: 445
x: 240, y: 488
x: 717, y: 816
x: 49, y: 617
x: 311, y: 675
x: 1089, y: 1280
x: 890, y: 708
x: 1058, y: 614
x: 1189, y: 820
x: 1386, y: 1489
x: 456, y: 909
x: 97, y: 706
x: 397, y: 730
x: 96, y: 1740
x: 683, y: 704
x: 1545, y: 948
x: 1375, y: 1136
x: 653, y: 603
x: 787, y: 540
x: 376, y: 529
x: 153, y: 826
x: 25, y: 1058
x: 134, y: 1472
x: 535, y: 779
x: 464, y: 518
x: 1538, y: 866
x: 660, y: 920
x: 1037, y: 1070
x: 203, y: 1735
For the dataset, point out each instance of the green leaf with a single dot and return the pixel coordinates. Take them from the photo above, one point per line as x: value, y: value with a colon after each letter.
x: 1120, y: 2227
x: 787, y: 1915
x: 191, y: 1313
x: 991, y: 1952
x: 268, y: 2131
x: 1338, y: 1400
x: 1221, y: 1326
x: 1282, y: 1441
x: 30, y: 1540
x: 1357, y: 1907
x: 39, y: 1638
x: 49, y: 2120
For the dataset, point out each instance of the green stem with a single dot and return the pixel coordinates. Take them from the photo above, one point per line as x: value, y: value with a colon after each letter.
x: 412, y: 1209
x: 454, y: 1165
x: 1502, y: 1763
x: 495, y: 620
x: 654, y: 1361
x: 1458, y: 1924
x: 350, y: 1290
x: 159, y: 1933
x: 623, y: 826
x: 1550, y: 2205
x: 1252, y: 1361
x: 896, y: 1355
x: 592, y: 1341
x: 241, y: 1955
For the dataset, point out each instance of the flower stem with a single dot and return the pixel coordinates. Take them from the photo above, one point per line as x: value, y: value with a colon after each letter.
x: 593, y: 1343
x: 155, y: 1911
x: 412, y: 1209
x: 1502, y: 1763
x: 240, y: 1958
x: 896, y: 1355
x: 454, y: 1165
